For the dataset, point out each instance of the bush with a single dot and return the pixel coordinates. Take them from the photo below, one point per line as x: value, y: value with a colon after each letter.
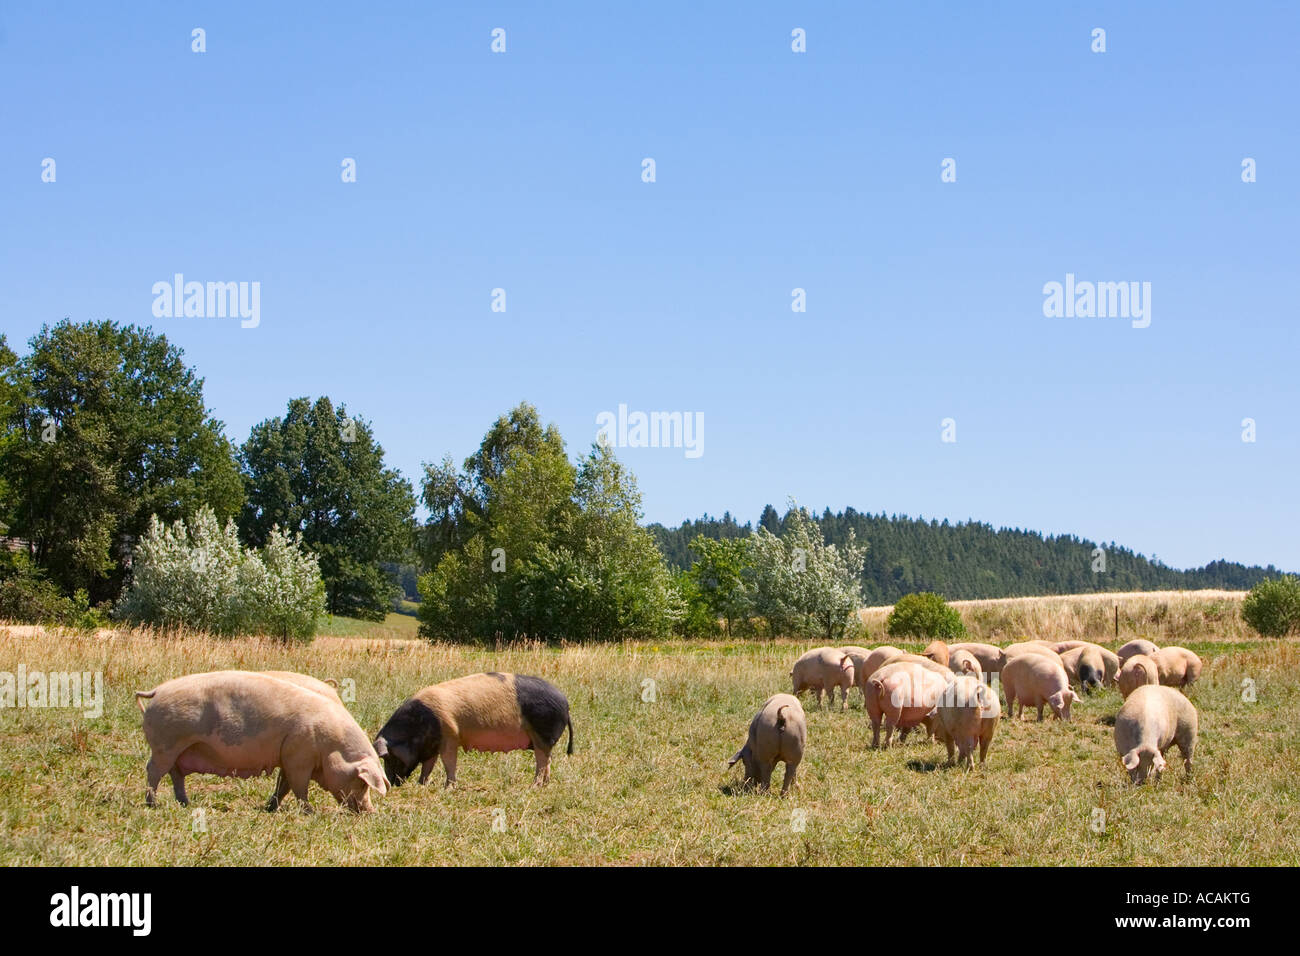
x: 1273, y: 606
x: 199, y: 576
x: 924, y: 615
x: 27, y: 597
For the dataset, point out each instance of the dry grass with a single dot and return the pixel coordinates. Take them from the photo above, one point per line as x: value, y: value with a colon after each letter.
x: 648, y: 782
x: 1165, y: 617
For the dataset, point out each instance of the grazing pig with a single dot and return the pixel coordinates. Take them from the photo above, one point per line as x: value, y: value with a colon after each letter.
x: 240, y: 723
x: 962, y: 661
x: 877, y: 659
x: 1037, y: 679
x: 824, y: 669
x: 1138, y: 671
x: 326, y: 689
x: 1085, y: 666
x: 967, y: 713
x: 777, y: 733
x: 859, y: 656
x: 1151, y: 720
x: 1112, y: 662
x: 903, y: 693
x: 1179, y: 667
x: 990, y: 657
x: 492, y: 712
x: 1137, y: 646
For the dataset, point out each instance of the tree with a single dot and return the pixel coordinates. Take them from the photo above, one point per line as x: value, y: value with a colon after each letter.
x: 523, y: 542
x: 924, y: 615
x: 319, y: 473
x: 801, y: 584
x: 106, y: 427
x: 1273, y: 606
x: 718, y: 577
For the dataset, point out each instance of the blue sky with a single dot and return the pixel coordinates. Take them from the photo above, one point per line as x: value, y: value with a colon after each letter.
x: 774, y: 170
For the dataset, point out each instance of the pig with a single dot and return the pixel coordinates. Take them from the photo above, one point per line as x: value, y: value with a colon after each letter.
x: 824, y: 669
x: 962, y: 661
x: 877, y: 659
x: 1137, y: 671
x: 777, y: 733
x: 1037, y: 679
x: 1179, y: 667
x: 1085, y: 666
x: 968, y: 712
x: 903, y: 693
x: 1112, y: 662
x: 493, y: 712
x: 990, y: 657
x: 859, y: 656
x: 241, y: 723
x: 1136, y: 646
x: 327, y: 689
x: 1152, y: 719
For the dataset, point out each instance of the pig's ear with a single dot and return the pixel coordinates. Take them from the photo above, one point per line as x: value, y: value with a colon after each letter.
x: 739, y: 755
x: 1158, y: 762
x: 373, y: 778
x: 381, y: 746
x: 1131, y: 760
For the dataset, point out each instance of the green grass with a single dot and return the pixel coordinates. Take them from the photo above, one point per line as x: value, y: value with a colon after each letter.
x: 648, y: 783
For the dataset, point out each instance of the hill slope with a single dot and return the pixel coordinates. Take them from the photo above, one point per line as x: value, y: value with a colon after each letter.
x: 970, y: 560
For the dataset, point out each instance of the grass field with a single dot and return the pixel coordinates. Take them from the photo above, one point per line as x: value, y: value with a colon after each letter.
x: 648, y: 783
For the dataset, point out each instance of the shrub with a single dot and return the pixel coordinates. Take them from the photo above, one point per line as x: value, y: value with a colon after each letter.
x: 924, y: 615
x: 1273, y: 606
x: 199, y: 576
x: 27, y: 597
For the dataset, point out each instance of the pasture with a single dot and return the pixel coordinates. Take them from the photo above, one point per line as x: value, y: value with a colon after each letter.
x: 648, y: 783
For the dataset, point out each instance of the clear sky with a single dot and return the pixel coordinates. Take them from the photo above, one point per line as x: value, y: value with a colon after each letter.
x: 775, y: 170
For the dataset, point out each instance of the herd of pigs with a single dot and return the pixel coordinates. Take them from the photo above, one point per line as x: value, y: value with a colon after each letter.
x: 949, y: 689
x: 248, y: 723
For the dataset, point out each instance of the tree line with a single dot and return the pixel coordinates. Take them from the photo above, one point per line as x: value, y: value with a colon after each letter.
x: 970, y: 560
x: 120, y: 494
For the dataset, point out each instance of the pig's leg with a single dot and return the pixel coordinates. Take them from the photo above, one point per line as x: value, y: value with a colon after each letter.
x: 790, y: 770
x: 449, y: 748
x: 281, y: 791
x: 1040, y: 712
x: 948, y: 743
x: 902, y: 735
x: 765, y: 776
x: 178, y: 787
x: 157, y: 768
x: 297, y: 777
x: 542, y: 758
x: 889, y: 730
x: 426, y: 768
x: 875, y: 733
x: 819, y: 696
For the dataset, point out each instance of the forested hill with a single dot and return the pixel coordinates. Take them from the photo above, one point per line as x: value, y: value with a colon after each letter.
x: 972, y: 560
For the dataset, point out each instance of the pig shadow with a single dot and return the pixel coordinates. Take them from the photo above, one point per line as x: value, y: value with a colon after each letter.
x: 923, y: 766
